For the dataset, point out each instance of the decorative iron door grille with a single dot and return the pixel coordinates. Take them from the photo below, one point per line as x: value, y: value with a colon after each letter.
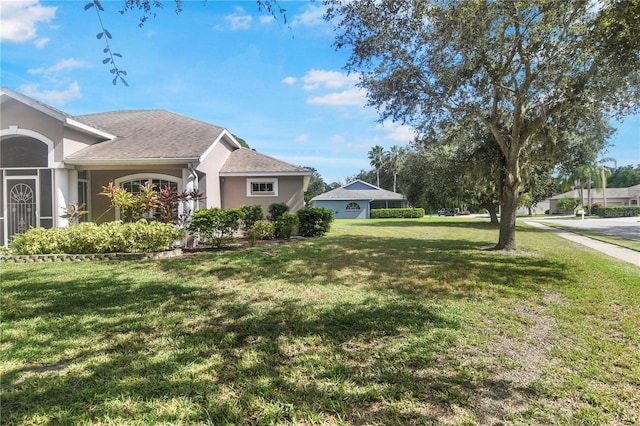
x: 21, y: 205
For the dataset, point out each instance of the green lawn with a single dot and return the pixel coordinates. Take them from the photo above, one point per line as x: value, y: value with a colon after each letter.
x: 381, y: 322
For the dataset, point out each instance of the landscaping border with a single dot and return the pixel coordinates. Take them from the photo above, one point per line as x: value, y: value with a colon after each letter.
x: 40, y: 258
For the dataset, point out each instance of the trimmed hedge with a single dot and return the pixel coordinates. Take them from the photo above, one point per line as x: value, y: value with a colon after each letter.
x: 618, y: 211
x: 287, y: 225
x: 314, y: 221
x: 90, y: 238
x: 216, y: 226
x: 414, y: 213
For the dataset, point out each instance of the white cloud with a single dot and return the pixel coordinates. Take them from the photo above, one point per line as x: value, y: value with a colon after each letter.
x: 64, y: 65
x: 312, y: 16
x: 316, y: 79
x: 396, y: 132
x: 353, y: 96
x: 302, y: 138
x: 289, y: 80
x: 267, y: 19
x: 19, y: 20
x: 42, y: 42
x: 54, y: 97
x: 239, y: 20
x: 337, y: 139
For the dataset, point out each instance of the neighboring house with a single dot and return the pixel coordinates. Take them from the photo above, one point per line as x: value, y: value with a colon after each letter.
x: 541, y: 207
x: 49, y: 159
x: 356, y: 199
x: 614, y: 197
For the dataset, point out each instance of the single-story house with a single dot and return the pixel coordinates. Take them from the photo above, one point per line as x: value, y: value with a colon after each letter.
x: 49, y: 159
x: 356, y: 199
x: 614, y: 197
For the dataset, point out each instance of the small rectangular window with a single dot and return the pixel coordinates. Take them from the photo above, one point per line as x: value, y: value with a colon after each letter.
x: 262, y: 187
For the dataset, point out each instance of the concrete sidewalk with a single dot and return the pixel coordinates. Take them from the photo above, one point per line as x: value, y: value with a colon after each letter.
x: 612, y: 250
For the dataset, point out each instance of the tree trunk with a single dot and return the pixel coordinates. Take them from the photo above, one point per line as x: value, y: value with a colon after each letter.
x: 508, y: 207
x: 493, y: 213
x: 509, y: 204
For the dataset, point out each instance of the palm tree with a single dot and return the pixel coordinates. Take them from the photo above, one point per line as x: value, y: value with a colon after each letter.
x: 592, y: 173
x: 605, y: 173
x: 395, y: 159
x: 377, y: 158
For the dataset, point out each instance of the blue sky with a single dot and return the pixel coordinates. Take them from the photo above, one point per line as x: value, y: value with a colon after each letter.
x: 280, y: 87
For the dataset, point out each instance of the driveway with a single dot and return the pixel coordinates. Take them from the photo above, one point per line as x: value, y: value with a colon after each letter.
x: 623, y: 227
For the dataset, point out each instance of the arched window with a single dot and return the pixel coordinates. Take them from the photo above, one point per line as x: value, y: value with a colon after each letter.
x: 23, y: 151
x: 353, y: 207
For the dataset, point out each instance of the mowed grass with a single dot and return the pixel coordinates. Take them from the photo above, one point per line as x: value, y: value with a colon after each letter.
x: 380, y: 322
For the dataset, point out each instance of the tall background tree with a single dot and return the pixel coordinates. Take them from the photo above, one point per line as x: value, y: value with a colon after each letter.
x: 523, y: 69
x: 317, y: 185
x: 624, y: 177
x: 395, y: 161
x: 377, y: 159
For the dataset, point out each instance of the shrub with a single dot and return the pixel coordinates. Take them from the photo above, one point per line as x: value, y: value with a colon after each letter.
x: 39, y: 241
x: 314, y: 221
x: 276, y: 210
x: 619, y: 211
x: 568, y: 203
x: 216, y: 225
x: 89, y: 238
x: 73, y: 213
x: 151, y: 236
x: 132, y: 206
x: 287, y: 225
x: 252, y: 214
x: 396, y: 213
x: 261, y: 230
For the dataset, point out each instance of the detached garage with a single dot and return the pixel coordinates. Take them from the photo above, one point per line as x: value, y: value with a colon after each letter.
x: 356, y: 199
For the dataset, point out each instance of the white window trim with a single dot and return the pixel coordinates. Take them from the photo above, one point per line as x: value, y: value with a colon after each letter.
x: 251, y: 181
x: 353, y: 203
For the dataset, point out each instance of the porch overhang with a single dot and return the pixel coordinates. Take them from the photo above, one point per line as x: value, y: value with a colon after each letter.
x: 130, y: 162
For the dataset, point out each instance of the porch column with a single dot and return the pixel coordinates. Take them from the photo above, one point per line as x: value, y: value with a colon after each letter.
x: 62, y: 195
x: 190, y: 182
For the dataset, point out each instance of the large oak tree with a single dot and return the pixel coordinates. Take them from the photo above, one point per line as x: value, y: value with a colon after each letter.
x: 522, y: 69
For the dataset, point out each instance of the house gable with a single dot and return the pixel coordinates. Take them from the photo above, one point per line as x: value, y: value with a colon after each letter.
x: 360, y: 185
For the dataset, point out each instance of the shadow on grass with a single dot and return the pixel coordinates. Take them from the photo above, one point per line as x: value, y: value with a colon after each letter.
x: 431, y: 223
x: 179, y: 341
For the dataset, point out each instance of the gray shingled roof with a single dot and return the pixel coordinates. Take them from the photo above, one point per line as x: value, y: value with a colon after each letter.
x: 247, y: 161
x: 147, y: 134
x: 344, y: 193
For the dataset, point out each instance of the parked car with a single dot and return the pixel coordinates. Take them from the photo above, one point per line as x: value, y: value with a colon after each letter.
x: 446, y: 212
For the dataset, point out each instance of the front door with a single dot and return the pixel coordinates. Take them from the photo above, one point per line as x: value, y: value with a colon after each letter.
x: 21, y: 205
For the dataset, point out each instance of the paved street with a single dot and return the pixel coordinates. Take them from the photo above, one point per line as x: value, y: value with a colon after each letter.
x: 624, y: 227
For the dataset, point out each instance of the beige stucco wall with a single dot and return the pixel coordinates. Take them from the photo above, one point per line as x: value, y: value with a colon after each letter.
x: 289, y: 192
x: 24, y: 117
x: 74, y: 140
x: 210, y: 166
